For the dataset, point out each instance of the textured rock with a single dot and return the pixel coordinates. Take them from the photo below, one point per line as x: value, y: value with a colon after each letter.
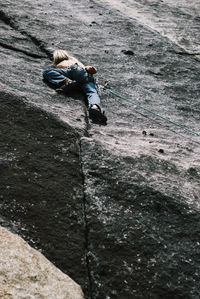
x: 168, y: 18
x: 119, y: 202
x: 41, y: 183
x: 26, y: 273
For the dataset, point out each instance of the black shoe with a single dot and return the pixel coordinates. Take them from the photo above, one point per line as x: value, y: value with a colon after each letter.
x: 97, y: 115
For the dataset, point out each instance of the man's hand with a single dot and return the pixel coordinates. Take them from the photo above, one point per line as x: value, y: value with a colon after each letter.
x: 68, y: 80
x: 91, y: 69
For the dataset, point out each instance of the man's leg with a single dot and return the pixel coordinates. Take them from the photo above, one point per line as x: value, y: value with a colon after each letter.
x: 56, y: 76
x: 90, y: 91
x: 95, y: 108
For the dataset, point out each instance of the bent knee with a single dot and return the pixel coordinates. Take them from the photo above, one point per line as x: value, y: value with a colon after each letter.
x: 45, y: 74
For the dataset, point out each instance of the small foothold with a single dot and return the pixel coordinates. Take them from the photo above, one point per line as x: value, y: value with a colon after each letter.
x: 128, y: 52
x: 144, y: 133
x: 161, y: 151
x: 151, y: 134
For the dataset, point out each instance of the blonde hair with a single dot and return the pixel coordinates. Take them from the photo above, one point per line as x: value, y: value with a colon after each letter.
x: 60, y: 55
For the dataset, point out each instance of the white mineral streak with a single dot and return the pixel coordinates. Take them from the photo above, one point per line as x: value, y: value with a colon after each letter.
x: 26, y: 273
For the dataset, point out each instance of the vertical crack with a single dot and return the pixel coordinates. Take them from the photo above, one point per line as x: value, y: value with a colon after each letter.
x: 90, y: 287
x: 86, y: 134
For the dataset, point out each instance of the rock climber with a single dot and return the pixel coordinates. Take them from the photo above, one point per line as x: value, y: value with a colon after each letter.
x: 70, y: 73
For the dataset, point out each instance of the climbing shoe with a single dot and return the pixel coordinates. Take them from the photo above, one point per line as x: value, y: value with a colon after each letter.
x: 97, y: 115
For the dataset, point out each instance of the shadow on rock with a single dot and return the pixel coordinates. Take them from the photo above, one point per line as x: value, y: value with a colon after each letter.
x: 41, y: 184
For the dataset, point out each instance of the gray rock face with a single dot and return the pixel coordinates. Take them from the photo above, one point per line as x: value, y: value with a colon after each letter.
x: 26, y: 273
x: 116, y: 207
x: 41, y: 183
x: 168, y: 17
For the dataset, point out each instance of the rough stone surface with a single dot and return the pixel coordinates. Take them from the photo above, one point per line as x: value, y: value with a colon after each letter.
x: 120, y: 202
x: 26, y: 273
x: 41, y: 183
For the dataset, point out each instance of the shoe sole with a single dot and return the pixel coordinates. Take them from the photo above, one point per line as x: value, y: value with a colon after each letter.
x: 97, y: 115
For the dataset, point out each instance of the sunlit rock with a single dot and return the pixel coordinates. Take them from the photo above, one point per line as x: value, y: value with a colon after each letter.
x: 26, y: 273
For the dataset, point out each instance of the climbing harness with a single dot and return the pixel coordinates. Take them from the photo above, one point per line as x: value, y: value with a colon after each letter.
x: 107, y: 88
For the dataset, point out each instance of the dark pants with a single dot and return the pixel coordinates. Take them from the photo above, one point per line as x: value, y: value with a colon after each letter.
x: 85, y: 81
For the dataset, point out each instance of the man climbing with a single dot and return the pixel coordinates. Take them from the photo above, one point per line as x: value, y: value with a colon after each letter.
x: 70, y: 73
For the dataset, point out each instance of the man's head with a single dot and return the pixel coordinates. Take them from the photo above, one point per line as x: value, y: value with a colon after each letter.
x: 60, y: 55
